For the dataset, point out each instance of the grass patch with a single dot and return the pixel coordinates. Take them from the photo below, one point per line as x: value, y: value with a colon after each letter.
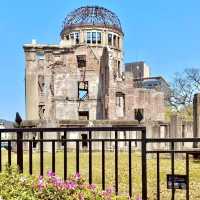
x: 165, y: 168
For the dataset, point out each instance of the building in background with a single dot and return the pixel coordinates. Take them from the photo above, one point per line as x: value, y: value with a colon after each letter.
x: 138, y: 69
x: 140, y: 73
x: 83, y: 77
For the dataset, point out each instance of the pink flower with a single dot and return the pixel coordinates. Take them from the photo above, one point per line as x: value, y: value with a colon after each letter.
x: 107, y: 193
x: 57, y: 181
x: 109, y: 190
x: 92, y: 187
x: 40, y: 183
x: 50, y: 173
x: 71, y: 185
x: 77, y: 176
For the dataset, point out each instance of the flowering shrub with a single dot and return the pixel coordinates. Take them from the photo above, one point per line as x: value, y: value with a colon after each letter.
x: 53, y: 187
x: 50, y: 187
x: 15, y: 186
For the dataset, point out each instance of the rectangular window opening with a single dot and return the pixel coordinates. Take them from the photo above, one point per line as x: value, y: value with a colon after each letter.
x: 114, y: 40
x: 41, y: 111
x: 118, y: 41
x: 88, y: 37
x: 83, y: 90
x: 77, y: 37
x: 72, y: 36
x: 109, y: 39
x: 40, y: 56
x: 99, y: 37
x: 119, y: 69
x: 94, y: 38
x: 83, y: 115
x: 81, y: 60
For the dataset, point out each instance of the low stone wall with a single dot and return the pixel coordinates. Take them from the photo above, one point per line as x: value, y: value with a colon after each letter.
x: 175, y: 128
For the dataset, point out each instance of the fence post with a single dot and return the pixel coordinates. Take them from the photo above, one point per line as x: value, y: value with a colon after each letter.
x: 20, y: 151
x: 144, y: 166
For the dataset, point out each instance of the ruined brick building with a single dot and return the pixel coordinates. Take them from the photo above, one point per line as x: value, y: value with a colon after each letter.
x: 84, y: 76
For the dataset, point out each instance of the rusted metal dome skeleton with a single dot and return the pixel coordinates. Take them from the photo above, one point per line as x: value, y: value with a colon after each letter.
x: 90, y: 16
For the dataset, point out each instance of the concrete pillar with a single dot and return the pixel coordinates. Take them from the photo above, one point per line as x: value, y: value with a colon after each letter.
x: 167, y: 134
x: 156, y: 134
x: 150, y: 133
x: 47, y: 146
x: 176, y: 130
x: 196, y: 117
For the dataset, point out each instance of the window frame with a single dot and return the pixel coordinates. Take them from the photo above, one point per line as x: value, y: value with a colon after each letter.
x: 40, y: 55
x: 88, y: 37
x: 75, y: 36
x: 84, y: 89
x: 93, y: 37
x: 110, y: 39
x: 119, y: 71
x: 114, y: 40
x: 81, y: 61
x: 99, y: 37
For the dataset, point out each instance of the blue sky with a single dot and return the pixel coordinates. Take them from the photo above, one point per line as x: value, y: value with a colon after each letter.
x: 165, y: 34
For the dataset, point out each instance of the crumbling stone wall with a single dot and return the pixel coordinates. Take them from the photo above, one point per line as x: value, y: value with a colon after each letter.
x: 52, y: 87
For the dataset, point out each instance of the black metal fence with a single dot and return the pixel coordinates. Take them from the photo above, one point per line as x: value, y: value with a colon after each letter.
x: 142, y: 140
x: 173, y: 151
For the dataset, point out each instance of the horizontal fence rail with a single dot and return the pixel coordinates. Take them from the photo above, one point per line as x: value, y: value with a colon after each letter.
x: 20, y: 140
x: 71, y: 129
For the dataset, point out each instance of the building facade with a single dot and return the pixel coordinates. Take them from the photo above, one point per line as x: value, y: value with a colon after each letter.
x: 84, y: 76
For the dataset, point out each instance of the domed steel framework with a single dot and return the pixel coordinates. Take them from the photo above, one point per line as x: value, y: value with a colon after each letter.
x: 92, y: 15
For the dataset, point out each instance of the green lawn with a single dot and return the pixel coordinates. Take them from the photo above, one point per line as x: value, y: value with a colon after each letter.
x: 123, y: 171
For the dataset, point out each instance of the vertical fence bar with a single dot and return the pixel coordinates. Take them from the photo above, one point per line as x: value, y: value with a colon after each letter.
x: 172, y: 170
x: 90, y: 157
x: 65, y: 156
x: 116, y: 163
x: 30, y: 158
x: 53, y: 156
x: 20, y: 151
x: 103, y: 165
x: 9, y: 153
x: 158, y: 176
x: 130, y: 169
x: 0, y: 154
x: 77, y: 156
x: 144, y: 166
x: 41, y: 155
x: 188, y: 175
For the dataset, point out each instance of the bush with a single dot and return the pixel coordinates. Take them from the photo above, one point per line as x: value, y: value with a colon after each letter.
x: 15, y: 186
x: 54, y: 188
